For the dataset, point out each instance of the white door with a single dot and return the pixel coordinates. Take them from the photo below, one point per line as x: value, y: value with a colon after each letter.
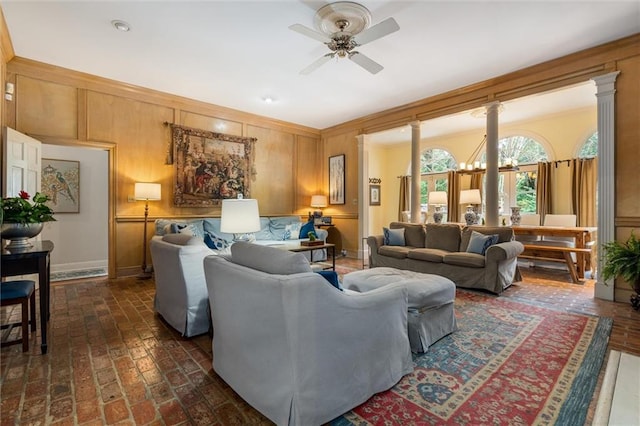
x: 21, y: 166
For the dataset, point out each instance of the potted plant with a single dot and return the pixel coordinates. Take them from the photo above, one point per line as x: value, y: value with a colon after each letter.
x: 22, y: 219
x: 623, y: 260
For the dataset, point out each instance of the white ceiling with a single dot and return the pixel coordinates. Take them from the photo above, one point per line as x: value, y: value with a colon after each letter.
x: 236, y: 53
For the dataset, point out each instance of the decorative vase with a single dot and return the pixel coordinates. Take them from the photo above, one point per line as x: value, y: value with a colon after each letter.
x: 19, y: 234
x: 438, y: 215
x: 470, y: 216
x: 515, y: 216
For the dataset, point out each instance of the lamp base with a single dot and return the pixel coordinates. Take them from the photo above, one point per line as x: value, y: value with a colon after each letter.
x: 247, y: 238
x: 144, y: 276
x: 470, y: 216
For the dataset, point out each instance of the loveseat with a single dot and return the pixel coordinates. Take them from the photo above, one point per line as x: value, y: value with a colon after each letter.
x: 177, y: 252
x: 293, y: 346
x: 489, y: 263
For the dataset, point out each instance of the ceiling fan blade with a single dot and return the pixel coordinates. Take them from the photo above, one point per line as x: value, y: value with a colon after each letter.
x: 299, y: 28
x: 317, y: 63
x: 379, y: 30
x: 365, y: 62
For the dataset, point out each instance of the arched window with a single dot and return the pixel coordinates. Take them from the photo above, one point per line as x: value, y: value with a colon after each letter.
x: 590, y: 147
x: 434, y: 165
x: 518, y: 188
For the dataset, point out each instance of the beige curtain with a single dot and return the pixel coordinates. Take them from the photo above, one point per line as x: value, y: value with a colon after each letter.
x: 405, y: 194
x: 453, y: 197
x: 584, y: 176
x: 543, y: 189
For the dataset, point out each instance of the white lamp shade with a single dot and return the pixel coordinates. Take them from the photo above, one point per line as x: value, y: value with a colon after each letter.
x: 147, y: 191
x: 438, y: 198
x: 240, y: 216
x: 470, y: 196
x: 318, y: 201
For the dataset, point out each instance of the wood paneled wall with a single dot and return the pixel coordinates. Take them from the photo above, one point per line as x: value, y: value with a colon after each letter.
x: 61, y: 106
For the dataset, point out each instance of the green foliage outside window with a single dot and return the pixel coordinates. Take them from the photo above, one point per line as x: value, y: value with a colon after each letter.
x: 590, y: 147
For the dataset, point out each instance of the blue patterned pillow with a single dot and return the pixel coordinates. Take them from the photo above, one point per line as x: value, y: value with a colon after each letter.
x: 194, y: 228
x: 393, y: 237
x: 215, y: 243
x: 479, y: 243
x: 331, y: 277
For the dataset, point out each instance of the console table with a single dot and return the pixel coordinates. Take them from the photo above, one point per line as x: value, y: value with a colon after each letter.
x: 33, y: 260
x: 330, y: 248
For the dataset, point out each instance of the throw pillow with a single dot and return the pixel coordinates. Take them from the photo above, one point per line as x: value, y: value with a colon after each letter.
x: 182, y: 239
x: 190, y: 228
x: 292, y: 231
x: 331, y: 277
x: 479, y: 243
x: 393, y: 237
x: 306, y: 228
x: 215, y: 243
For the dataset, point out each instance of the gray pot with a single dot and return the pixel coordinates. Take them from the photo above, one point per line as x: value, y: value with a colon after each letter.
x: 19, y: 234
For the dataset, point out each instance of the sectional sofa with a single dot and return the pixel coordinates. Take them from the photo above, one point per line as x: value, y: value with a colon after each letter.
x: 488, y: 263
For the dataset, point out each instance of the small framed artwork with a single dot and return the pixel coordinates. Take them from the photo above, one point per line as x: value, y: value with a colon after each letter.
x: 336, y: 179
x: 60, y: 181
x: 374, y: 195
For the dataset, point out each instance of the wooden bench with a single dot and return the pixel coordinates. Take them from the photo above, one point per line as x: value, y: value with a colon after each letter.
x: 562, y: 254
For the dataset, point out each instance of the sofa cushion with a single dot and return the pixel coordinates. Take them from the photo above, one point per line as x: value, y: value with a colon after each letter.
x: 292, y: 231
x: 443, y: 236
x: 427, y: 254
x: 399, y: 252
x: 182, y: 239
x: 505, y: 234
x: 479, y: 243
x: 470, y: 260
x: 269, y: 259
x: 393, y: 237
x: 413, y: 233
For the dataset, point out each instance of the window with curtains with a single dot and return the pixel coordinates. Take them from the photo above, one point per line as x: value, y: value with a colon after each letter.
x: 434, y: 165
x: 589, y: 148
x: 518, y: 188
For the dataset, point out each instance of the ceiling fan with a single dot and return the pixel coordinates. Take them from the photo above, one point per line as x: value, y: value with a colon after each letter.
x: 343, y: 26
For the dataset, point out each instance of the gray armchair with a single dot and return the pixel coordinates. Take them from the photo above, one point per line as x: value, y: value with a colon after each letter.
x: 299, y: 350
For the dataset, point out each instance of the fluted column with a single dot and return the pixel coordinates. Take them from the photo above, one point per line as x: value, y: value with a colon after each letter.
x: 363, y: 193
x: 491, y: 214
x: 605, y: 93
x: 415, y: 171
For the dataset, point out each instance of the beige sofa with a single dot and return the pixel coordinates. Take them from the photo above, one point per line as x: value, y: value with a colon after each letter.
x: 441, y: 249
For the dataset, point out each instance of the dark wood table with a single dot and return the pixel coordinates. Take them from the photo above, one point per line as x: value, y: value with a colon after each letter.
x: 331, y: 249
x: 33, y: 260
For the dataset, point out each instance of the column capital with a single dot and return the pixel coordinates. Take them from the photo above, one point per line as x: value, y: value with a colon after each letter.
x: 606, y: 84
x: 492, y: 105
x: 414, y: 124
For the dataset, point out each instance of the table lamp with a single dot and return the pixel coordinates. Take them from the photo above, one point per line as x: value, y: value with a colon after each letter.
x: 318, y: 202
x: 147, y: 192
x: 438, y: 199
x: 470, y: 197
x: 241, y: 218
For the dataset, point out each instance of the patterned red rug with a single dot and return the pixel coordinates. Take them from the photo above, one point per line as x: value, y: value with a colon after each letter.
x: 509, y: 363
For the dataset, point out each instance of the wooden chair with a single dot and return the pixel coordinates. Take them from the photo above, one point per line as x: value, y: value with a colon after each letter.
x: 20, y: 292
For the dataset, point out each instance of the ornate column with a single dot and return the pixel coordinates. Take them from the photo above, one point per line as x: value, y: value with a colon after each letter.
x: 606, y: 89
x: 491, y: 199
x: 415, y: 171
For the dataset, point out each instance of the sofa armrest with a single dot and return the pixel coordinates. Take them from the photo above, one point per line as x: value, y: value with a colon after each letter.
x: 375, y: 242
x: 504, y: 251
x: 322, y: 234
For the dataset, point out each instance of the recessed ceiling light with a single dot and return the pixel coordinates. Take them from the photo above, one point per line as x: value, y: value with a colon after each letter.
x: 120, y: 25
x: 268, y: 100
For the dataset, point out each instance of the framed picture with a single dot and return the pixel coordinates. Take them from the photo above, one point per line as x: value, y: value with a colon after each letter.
x: 336, y: 179
x: 374, y: 195
x: 60, y: 181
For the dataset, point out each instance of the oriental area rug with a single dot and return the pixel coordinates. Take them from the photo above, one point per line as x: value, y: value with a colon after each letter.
x: 509, y: 363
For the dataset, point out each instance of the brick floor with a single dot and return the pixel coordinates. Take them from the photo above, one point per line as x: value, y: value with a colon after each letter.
x: 112, y: 360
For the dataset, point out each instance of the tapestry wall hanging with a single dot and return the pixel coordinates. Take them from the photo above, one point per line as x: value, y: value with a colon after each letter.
x: 211, y: 166
x: 60, y: 181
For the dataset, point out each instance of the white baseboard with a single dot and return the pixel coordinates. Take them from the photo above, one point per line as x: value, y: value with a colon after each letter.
x: 67, y: 271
